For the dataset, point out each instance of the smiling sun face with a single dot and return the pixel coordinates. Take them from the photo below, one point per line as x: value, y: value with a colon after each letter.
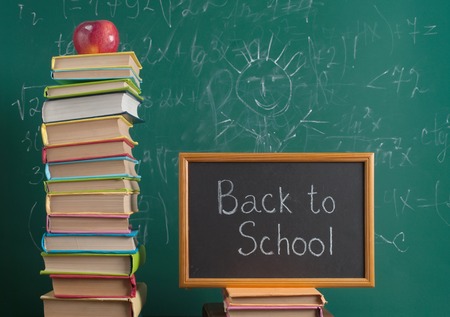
x: 264, y: 84
x: 258, y: 87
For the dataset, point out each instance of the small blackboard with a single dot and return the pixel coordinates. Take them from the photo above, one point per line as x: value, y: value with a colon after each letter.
x: 284, y: 219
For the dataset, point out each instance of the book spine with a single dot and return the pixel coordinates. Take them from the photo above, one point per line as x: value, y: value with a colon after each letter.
x: 44, y: 134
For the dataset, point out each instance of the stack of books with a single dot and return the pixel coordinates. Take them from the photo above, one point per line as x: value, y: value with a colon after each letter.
x: 90, y: 250
x: 274, y: 302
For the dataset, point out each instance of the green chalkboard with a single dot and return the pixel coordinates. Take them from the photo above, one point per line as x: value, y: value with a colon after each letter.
x: 250, y: 76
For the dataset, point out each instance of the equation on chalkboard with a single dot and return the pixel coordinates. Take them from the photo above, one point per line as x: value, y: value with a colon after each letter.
x: 276, y: 219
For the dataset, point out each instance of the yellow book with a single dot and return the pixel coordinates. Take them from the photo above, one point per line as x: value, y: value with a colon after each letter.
x: 124, y: 202
x: 99, y: 60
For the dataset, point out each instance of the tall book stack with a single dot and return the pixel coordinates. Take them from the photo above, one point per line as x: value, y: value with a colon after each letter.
x: 90, y: 250
x: 273, y: 302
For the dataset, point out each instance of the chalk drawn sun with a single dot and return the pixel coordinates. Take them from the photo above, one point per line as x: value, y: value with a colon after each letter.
x: 271, y: 104
x: 264, y: 84
x: 257, y: 87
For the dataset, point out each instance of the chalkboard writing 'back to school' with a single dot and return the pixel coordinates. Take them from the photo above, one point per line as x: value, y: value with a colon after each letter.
x: 276, y: 219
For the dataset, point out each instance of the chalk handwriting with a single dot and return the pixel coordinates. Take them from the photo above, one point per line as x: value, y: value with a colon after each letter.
x: 30, y: 221
x: 134, y: 9
x: 34, y: 18
x: 414, y: 32
x: 397, y: 241
x: 397, y: 78
x: 32, y: 140
x: 38, y: 176
x: 28, y: 107
x: 400, y: 201
x: 328, y: 203
x: 437, y: 136
x: 65, y: 46
x: 406, y: 201
x: 440, y: 203
x: 298, y: 246
x: 166, y: 220
x: 269, y: 203
x: 76, y: 5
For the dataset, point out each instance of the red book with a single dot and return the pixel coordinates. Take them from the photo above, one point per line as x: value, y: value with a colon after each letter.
x: 90, y: 286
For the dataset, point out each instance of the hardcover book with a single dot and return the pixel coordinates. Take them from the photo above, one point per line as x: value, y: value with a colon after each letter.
x: 88, y: 150
x: 94, y: 168
x: 95, y: 307
x: 92, y: 88
x: 87, y: 61
x: 85, y: 286
x: 88, y: 223
x: 92, y: 184
x: 89, y: 242
x: 119, y: 264
x: 83, y: 107
x: 271, y: 311
x: 70, y: 76
x: 124, y: 202
x: 85, y: 130
x: 218, y: 310
x: 273, y: 296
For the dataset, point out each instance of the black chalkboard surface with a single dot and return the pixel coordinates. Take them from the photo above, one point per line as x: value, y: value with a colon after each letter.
x: 249, y: 76
x: 276, y: 219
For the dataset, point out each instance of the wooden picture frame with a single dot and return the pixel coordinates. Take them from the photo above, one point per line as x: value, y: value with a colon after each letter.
x: 200, y: 225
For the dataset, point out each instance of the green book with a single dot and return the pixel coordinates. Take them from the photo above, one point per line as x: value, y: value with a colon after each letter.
x: 92, y: 88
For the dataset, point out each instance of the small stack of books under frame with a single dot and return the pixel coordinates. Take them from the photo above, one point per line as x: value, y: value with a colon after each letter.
x: 270, y: 302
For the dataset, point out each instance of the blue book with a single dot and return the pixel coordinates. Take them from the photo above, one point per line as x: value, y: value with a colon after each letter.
x: 118, y: 166
x: 90, y: 242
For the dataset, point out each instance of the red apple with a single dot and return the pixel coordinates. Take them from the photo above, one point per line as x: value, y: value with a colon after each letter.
x: 99, y: 36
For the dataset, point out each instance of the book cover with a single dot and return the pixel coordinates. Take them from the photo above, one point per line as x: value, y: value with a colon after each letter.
x: 121, y: 146
x: 123, y: 166
x: 270, y: 311
x: 70, y: 76
x: 89, y: 242
x: 94, y: 87
x: 92, y: 184
x: 84, y: 107
x: 104, y: 202
x: 108, y: 60
x: 95, y: 307
x: 85, y: 130
x: 218, y: 310
x: 88, y: 223
x: 119, y: 264
x: 86, y: 286
x: 273, y: 296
